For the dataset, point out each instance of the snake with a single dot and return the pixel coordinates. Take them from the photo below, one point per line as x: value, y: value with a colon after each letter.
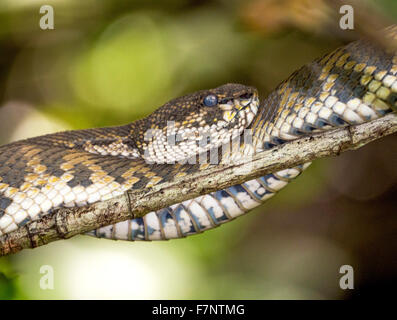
x: 353, y: 84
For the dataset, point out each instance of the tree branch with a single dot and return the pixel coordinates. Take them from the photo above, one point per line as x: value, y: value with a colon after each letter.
x: 68, y: 222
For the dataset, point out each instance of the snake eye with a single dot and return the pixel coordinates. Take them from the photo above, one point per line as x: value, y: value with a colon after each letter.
x: 210, y: 100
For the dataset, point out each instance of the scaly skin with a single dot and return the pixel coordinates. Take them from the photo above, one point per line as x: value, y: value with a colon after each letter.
x: 353, y: 84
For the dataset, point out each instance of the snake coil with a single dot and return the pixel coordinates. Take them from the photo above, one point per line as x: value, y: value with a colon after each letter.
x: 351, y: 85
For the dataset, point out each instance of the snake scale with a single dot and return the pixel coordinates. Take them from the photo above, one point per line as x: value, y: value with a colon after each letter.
x: 351, y: 85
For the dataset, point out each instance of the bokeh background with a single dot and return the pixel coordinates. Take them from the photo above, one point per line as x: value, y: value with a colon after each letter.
x: 110, y: 62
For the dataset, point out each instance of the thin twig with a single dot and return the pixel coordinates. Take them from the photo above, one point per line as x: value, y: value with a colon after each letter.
x: 68, y: 222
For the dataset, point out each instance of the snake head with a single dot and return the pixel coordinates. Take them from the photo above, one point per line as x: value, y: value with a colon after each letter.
x: 230, y: 105
x: 195, y: 123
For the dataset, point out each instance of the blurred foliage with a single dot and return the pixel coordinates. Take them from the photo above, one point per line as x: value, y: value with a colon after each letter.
x: 111, y: 62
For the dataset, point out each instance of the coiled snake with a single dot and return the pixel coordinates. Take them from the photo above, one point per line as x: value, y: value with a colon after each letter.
x: 353, y: 84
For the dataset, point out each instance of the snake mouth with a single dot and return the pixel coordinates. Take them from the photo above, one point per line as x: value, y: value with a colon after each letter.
x: 242, y: 109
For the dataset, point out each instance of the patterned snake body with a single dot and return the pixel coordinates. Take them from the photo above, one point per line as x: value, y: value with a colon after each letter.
x: 354, y: 84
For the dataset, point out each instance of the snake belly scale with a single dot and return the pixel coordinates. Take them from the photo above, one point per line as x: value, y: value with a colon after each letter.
x: 351, y: 85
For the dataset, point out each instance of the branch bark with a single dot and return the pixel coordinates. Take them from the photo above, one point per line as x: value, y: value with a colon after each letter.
x: 68, y: 222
